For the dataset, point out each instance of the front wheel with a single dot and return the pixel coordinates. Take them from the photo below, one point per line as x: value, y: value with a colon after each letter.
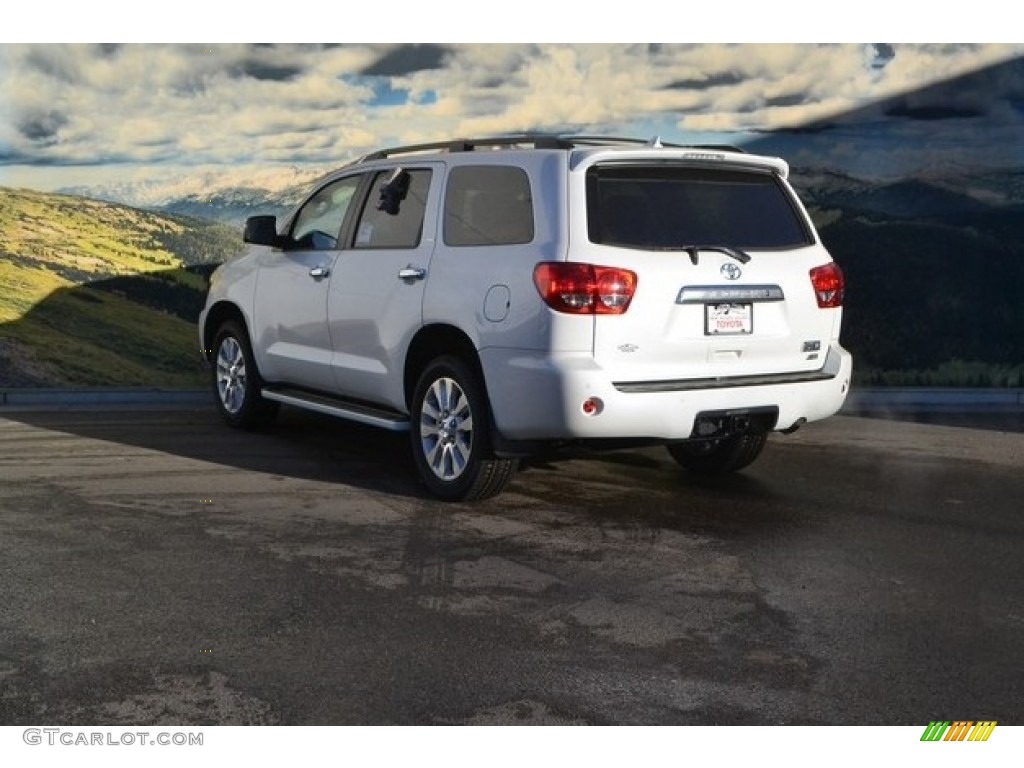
x: 236, y: 381
x: 451, y: 442
x: 719, y: 457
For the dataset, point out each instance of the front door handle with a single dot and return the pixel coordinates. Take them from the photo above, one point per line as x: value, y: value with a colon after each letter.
x: 318, y: 273
x: 412, y: 273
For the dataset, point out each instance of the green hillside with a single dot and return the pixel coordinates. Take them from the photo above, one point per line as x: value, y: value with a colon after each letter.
x: 100, y: 294
x: 933, y: 302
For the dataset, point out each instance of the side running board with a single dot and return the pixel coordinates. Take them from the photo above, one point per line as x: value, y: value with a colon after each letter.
x: 342, y: 409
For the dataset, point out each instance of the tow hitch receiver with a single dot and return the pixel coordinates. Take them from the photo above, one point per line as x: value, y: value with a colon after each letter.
x: 710, y: 425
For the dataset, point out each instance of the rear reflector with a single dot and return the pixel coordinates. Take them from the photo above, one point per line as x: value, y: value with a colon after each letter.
x: 829, y: 285
x: 584, y: 289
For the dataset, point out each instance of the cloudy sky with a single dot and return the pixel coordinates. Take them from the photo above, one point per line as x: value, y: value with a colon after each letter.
x: 81, y: 114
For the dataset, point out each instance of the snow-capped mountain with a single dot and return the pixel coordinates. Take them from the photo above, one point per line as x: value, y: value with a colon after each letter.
x: 228, y: 195
x: 157, y: 191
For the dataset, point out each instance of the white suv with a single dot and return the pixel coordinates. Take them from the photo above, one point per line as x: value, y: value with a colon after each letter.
x: 504, y: 297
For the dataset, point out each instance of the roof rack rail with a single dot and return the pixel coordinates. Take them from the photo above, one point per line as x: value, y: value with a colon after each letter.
x: 537, y: 141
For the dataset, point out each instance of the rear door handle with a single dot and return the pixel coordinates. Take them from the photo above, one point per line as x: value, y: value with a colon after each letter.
x: 318, y: 273
x: 412, y: 273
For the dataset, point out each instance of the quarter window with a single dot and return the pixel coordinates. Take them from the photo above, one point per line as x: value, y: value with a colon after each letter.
x: 488, y: 205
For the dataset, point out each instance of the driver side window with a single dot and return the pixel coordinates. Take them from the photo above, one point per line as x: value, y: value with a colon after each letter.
x: 318, y: 224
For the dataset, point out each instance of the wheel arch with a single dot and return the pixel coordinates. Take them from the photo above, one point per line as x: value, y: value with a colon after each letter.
x: 219, y: 314
x: 432, y: 341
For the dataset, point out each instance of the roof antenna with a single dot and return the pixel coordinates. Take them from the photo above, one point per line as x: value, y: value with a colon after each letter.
x: 655, y: 142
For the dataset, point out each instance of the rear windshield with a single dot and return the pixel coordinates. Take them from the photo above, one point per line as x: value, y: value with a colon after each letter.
x: 668, y: 207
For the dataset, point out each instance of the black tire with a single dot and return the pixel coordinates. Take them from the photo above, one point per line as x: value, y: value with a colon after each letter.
x: 719, y: 457
x: 236, y: 380
x: 451, y: 434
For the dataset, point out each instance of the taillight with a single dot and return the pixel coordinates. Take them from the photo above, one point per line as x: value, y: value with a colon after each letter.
x: 584, y: 289
x: 828, y: 285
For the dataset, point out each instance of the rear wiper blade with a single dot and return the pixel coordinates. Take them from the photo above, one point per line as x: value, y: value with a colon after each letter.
x: 694, y: 251
x: 735, y: 253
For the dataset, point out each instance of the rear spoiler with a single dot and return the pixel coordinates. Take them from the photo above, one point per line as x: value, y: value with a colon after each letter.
x: 706, y: 156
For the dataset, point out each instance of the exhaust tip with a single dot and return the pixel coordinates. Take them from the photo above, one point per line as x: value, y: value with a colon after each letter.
x: 796, y: 425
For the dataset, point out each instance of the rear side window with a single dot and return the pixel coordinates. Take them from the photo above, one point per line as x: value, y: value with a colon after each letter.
x: 665, y: 207
x: 488, y: 205
x: 400, y: 224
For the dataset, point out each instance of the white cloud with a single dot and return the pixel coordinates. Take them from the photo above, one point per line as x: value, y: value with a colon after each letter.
x: 236, y: 104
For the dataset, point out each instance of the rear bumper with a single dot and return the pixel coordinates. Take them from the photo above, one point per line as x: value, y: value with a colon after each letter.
x: 540, y: 397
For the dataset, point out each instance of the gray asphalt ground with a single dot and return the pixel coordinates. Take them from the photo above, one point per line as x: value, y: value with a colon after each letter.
x: 159, y: 568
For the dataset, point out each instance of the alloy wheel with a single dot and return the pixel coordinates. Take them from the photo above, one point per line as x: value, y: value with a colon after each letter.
x: 446, y: 429
x: 231, y: 375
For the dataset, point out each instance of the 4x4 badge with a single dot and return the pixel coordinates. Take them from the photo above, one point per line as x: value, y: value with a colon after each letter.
x: 730, y: 271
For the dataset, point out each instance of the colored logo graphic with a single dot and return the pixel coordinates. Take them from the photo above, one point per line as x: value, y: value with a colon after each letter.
x: 959, y: 730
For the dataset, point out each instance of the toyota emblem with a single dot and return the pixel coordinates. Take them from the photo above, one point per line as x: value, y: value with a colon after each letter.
x: 730, y: 271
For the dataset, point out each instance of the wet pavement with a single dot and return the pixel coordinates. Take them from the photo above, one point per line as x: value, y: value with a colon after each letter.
x: 159, y: 568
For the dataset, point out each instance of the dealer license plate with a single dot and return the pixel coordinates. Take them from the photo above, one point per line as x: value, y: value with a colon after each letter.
x: 728, y: 319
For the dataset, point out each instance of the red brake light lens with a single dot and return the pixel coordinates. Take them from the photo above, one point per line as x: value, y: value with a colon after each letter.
x: 584, y: 289
x: 829, y: 285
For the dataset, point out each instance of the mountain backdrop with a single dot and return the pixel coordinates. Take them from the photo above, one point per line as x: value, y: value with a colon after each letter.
x: 100, y: 294
x: 225, y: 196
x: 935, y: 270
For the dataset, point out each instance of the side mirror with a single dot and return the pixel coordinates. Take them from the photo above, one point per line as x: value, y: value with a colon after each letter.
x: 262, y: 230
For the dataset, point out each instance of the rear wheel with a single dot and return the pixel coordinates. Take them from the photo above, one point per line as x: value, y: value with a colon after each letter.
x: 236, y: 380
x: 451, y: 440
x: 719, y: 457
